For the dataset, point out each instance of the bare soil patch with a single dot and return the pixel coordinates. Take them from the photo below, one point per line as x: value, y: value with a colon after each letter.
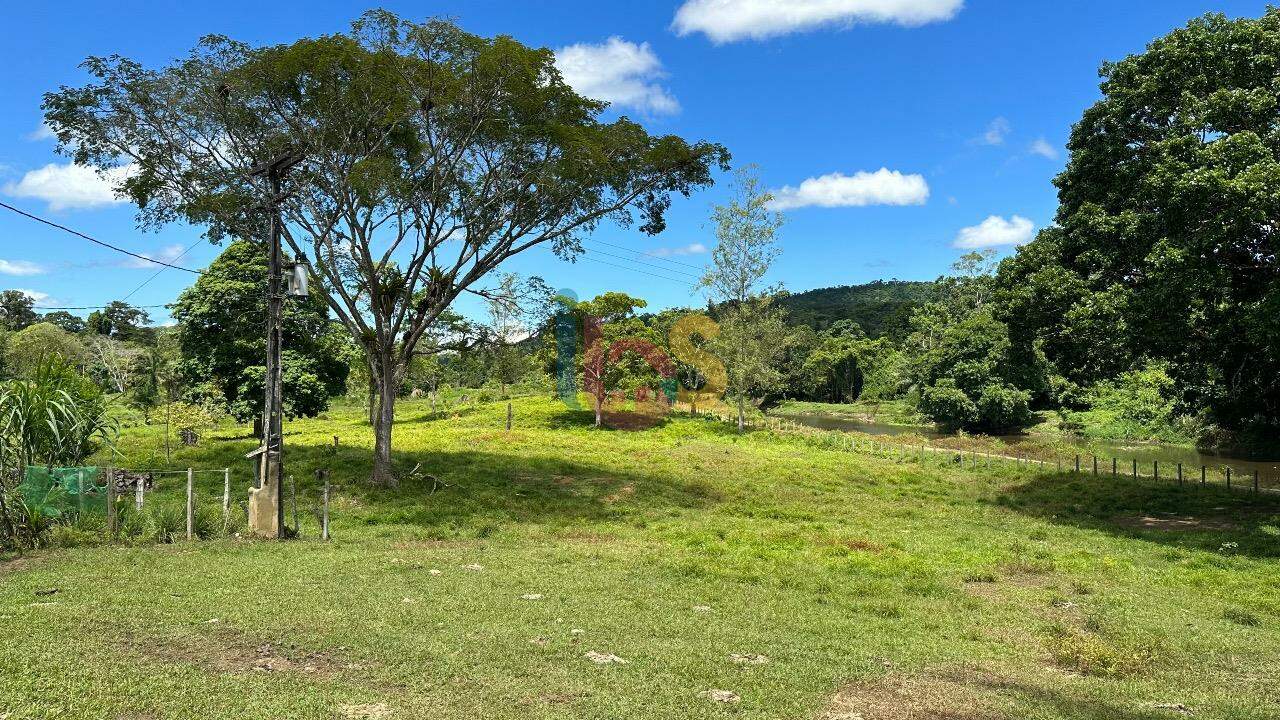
x: 14, y: 565
x: 953, y: 695
x: 1175, y: 523
x: 223, y: 649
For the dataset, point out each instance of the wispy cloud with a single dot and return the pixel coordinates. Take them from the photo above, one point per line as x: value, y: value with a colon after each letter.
x: 44, y: 132
x: 995, y: 231
x: 35, y: 295
x: 70, y: 186
x: 996, y: 132
x: 882, y: 187
x: 166, y: 254
x: 690, y: 249
x: 20, y: 267
x: 619, y: 72
x: 1042, y: 148
x: 728, y: 20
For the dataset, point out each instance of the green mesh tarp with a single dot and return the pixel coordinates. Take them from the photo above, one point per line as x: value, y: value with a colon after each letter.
x: 63, y: 490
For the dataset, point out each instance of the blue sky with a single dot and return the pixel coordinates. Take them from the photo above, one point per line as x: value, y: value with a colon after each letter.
x: 896, y: 132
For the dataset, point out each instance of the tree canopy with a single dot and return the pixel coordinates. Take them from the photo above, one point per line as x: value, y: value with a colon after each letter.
x: 223, y: 349
x: 1165, y: 247
x: 430, y: 156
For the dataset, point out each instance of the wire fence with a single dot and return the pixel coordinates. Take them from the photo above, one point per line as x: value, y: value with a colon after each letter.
x: 1242, y: 479
x: 165, y: 505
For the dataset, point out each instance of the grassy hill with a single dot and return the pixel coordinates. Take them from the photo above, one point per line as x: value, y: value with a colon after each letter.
x: 881, y: 308
x: 805, y: 580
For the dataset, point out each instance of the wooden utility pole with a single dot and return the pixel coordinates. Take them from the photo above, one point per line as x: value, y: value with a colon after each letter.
x: 266, y: 506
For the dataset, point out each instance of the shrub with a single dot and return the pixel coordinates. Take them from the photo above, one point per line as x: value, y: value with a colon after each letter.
x: 1001, y: 407
x: 948, y: 405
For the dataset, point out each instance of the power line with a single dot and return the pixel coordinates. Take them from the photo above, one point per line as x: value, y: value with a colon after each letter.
x: 627, y: 259
x: 640, y: 252
x: 96, y: 241
x: 631, y: 269
x: 157, y: 273
x: 91, y: 307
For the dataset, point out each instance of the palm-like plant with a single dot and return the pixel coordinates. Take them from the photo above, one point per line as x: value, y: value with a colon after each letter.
x: 53, y: 418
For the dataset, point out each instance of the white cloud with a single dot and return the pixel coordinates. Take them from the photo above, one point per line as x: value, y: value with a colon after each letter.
x: 996, y: 132
x: 70, y: 186
x: 1042, y: 148
x: 619, y: 72
x: 35, y: 295
x: 729, y: 20
x: 882, y: 187
x: 690, y: 249
x: 166, y: 254
x: 19, y: 267
x: 44, y: 132
x: 995, y: 231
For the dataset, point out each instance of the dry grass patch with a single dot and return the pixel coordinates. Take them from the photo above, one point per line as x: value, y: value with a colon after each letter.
x: 954, y: 695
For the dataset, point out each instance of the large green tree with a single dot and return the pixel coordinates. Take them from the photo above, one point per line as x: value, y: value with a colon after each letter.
x: 223, y: 349
x: 16, y: 310
x: 431, y: 156
x: 1166, y: 245
x: 121, y: 321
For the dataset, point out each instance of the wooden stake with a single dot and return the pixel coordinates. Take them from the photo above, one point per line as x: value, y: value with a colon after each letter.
x: 293, y: 496
x: 113, y: 518
x: 191, y: 503
x: 226, y: 498
x: 324, y: 516
x: 509, y: 412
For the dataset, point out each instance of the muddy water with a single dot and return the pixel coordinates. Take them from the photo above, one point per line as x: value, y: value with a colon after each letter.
x: 1146, y: 454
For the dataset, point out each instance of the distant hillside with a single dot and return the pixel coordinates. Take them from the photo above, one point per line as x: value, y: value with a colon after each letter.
x: 881, y: 307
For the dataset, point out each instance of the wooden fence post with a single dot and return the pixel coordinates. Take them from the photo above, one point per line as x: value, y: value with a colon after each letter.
x: 139, y: 492
x: 1135, y: 468
x: 1179, y: 473
x: 1077, y: 463
x: 509, y: 412
x: 1095, y: 464
x: 1202, y: 475
x: 324, y: 513
x: 1228, y: 477
x: 293, y: 497
x: 113, y: 518
x: 1115, y: 468
x: 1155, y: 468
x: 191, y: 503
x: 226, y: 498
x: 1256, y: 488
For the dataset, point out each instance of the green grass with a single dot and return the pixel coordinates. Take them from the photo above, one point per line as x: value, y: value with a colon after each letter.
x: 875, y: 588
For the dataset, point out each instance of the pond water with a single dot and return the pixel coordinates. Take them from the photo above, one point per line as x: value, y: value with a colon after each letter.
x: 1168, y: 456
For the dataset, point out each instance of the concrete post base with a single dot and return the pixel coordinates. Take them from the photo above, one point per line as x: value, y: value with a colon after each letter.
x: 264, y: 503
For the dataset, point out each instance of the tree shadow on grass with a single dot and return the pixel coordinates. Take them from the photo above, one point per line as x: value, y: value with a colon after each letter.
x: 441, y: 414
x: 1190, y: 516
x: 1065, y: 704
x: 483, y: 489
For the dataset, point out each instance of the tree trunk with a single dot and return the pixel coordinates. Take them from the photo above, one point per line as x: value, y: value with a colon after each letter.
x: 741, y: 416
x: 372, y: 398
x: 384, y: 417
x: 598, y: 414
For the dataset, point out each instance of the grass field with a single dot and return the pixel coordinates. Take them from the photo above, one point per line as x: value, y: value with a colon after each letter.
x: 800, y: 580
